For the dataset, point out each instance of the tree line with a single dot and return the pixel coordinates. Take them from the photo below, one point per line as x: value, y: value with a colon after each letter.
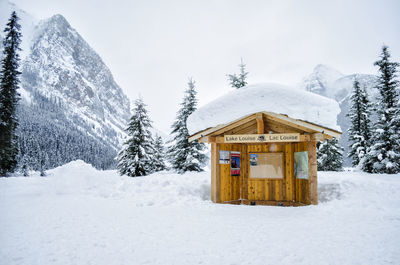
x: 375, y: 146
x: 142, y: 154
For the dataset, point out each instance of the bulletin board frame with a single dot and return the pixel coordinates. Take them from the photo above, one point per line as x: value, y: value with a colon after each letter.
x: 269, y: 165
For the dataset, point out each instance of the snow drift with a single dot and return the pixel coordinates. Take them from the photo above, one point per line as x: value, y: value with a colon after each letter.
x: 78, y: 215
x: 270, y: 97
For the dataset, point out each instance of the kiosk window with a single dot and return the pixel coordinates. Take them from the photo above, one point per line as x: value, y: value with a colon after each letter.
x: 266, y: 165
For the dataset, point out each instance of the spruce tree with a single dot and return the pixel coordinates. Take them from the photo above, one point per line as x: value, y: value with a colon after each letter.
x: 135, y: 158
x: 9, y: 96
x: 330, y: 156
x: 359, y: 130
x: 238, y: 81
x: 24, y: 167
x: 185, y: 156
x: 159, y: 154
x: 384, y: 154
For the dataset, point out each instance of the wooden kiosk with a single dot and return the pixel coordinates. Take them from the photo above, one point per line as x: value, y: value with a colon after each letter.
x: 264, y: 159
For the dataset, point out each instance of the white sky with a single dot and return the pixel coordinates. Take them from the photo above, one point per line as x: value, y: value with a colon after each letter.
x: 152, y: 47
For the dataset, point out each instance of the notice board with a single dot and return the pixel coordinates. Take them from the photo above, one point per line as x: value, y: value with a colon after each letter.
x: 266, y: 165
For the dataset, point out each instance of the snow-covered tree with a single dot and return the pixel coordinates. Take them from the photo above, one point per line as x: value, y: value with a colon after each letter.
x: 24, y: 167
x: 135, y: 158
x: 359, y: 130
x: 384, y: 154
x: 330, y: 155
x: 185, y: 156
x: 238, y: 81
x: 159, y: 154
x: 9, y: 83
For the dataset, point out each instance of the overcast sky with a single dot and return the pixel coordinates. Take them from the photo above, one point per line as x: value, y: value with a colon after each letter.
x: 153, y: 47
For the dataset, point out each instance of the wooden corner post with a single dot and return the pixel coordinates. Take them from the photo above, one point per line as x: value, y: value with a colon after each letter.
x: 312, y: 172
x: 215, y: 178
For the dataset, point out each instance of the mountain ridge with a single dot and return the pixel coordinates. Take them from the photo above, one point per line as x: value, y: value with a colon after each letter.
x: 71, y: 107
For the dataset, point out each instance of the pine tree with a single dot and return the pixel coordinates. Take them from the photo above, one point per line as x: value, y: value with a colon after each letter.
x: 185, y: 156
x: 43, y: 160
x: 330, y: 155
x: 9, y: 96
x: 359, y: 130
x: 24, y: 167
x: 384, y: 154
x: 159, y: 154
x: 238, y: 81
x: 135, y: 158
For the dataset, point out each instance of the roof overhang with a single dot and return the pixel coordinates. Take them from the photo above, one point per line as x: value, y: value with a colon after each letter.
x: 295, y: 124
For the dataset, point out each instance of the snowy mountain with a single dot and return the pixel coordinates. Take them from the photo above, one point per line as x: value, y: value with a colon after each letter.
x: 320, y: 80
x: 330, y: 83
x: 327, y: 81
x: 71, y: 106
x: 63, y: 67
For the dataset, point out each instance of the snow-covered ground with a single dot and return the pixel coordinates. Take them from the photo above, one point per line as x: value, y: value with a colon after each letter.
x: 78, y: 215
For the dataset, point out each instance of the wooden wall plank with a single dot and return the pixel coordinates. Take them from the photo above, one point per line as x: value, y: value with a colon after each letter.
x: 266, y: 191
x: 245, y: 175
x: 289, y: 178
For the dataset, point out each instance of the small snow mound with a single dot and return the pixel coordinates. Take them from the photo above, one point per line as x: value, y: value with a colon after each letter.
x: 329, y: 192
x: 269, y: 97
x: 73, y: 166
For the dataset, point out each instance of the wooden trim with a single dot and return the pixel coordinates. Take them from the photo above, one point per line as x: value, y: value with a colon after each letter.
x: 212, y: 139
x: 222, y: 127
x: 272, y: 203
x: 234, y: 124
x: 303, y: 125
x: 207, y: 139
x: 236, y: 202
x: 317, y: 137
x: 304, y: 137
x: 279, y: 118
x: 244, y: 128
x: 265, y: 203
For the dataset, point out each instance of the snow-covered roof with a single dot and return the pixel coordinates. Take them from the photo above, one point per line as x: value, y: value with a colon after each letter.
x: 271, y: 97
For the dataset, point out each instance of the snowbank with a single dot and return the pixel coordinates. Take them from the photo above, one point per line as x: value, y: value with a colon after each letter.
x: 270, y: 97
x: 80, y: 179
x: 78, y: 215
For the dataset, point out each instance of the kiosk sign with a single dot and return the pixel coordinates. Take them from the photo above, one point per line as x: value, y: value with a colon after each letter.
x: 262, y: 138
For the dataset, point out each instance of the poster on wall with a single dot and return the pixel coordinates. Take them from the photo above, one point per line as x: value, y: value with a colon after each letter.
x: 301, y: 165
x: 224, y: 157
x: 253, y: 159
x: 235, y: 163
